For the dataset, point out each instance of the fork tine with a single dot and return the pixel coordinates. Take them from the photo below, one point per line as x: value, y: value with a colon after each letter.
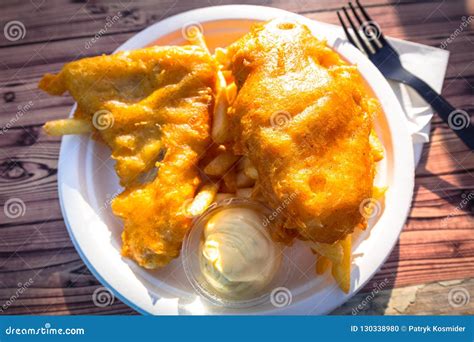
x: 346, y: 31
x: 362, y: 42
x: 370, y: 38
x: 362, y: 24
x: 355, y: 14
x: 368, y: 18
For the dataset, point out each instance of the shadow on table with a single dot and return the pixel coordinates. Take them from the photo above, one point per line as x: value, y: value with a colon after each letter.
x: 374, y: 298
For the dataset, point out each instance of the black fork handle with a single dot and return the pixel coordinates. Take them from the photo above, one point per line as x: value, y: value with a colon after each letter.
x: 458, y: 120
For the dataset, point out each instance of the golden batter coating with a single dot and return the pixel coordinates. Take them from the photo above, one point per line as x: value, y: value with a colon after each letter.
x: 303, y: 117
x: 143, y: 104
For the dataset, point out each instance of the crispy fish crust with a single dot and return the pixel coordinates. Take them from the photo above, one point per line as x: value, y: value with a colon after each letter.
x: 303, y: 117
x: 143, y: 104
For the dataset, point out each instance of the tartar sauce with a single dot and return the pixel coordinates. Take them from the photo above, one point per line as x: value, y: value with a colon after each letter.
x: 237, y: 256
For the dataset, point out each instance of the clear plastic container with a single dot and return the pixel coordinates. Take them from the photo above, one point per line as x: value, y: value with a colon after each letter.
x: 191, y: 254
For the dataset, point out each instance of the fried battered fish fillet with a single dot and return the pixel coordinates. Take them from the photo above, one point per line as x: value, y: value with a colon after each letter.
x: 303, y: 117
x: 143, y: 104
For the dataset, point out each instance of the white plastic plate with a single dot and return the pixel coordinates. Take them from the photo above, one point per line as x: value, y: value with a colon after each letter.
x: 87, y: 183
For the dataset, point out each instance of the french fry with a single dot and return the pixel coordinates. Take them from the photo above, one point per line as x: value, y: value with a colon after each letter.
x: 244, y: 192
x: 67, y: 126
x: 342, y: 271
x: 220, y: 121
x: 198, y: 39
x: 322, y: 264
x: 203, y: 199
x: 376, y: 146
x: 230, y: 181
x: 229, y: 77
x: 241, y: 164
x: 257, y: 193
x: 244, y: 181
x: 231, y: 91
x: 333, y: 252
x: 249, y: 169
x: 212, y: 152
x: 220, y: 164
x: 251, y: 172
x: 220, y: 54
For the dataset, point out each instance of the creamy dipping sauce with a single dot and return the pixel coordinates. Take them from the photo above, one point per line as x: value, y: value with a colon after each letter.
x: 237, y: 255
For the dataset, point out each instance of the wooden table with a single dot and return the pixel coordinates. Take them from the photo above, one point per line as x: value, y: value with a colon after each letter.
x: 435, y: 254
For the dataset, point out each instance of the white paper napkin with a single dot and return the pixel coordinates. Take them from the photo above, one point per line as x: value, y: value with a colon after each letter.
x: 429, y: 64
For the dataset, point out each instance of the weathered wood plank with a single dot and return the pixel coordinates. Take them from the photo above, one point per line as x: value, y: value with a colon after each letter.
x: 86, y: 19
x: 437, y: 298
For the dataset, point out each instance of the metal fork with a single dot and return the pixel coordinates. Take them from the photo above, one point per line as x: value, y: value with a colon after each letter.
x: 368, y: 38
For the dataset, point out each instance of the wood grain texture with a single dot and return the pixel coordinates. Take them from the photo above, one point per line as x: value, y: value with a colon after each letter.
x: 436, y: 246
x: 424, y: 299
